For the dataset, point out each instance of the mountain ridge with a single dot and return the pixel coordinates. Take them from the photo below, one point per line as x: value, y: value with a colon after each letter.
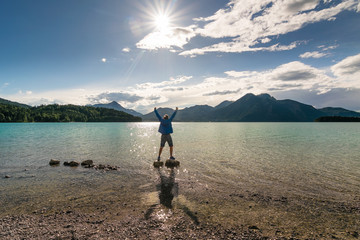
x: 115, y: 105
x: 249, y: 108
x: 253, y: 108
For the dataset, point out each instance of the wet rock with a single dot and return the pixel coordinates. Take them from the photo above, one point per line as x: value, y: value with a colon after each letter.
x: 87, y: 163
x: 105, y: 167
x: 71, y: 164
x: 54, y: 162
x: 101, y: 166
x: 112, y: 167
x: 172, y: 163
x: 158, y: 164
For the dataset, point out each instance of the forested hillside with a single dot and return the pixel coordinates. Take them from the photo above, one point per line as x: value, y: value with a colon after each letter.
x: 62, y: 113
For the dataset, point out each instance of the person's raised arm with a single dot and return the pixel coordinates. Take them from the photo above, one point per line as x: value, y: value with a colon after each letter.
x: 174, y: 113
x: 157, y: 114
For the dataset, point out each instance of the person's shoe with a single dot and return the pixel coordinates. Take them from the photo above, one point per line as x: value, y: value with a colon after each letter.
x: 159, y: 158
x: 172, y: 158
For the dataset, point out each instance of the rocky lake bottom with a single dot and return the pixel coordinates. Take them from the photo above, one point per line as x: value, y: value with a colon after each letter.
x: 85, y: 203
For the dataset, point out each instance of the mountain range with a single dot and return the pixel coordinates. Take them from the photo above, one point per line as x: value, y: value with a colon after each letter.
x: 249, y: 108
x: 253, y: 108
x: 117, y: 106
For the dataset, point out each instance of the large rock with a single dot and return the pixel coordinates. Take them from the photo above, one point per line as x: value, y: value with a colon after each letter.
x: 172, y: 163
x: 158, y: 164
x: 87, y: 163
x: 54, y: 162
x: 71, y: 164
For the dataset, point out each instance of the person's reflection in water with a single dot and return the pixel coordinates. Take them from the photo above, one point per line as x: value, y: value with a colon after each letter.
x: 168, y: 188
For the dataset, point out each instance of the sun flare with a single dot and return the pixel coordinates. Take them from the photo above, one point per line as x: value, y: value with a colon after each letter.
x: 162, y: 22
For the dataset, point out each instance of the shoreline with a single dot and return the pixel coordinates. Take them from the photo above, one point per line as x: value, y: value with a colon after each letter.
x: 74, y: 225
x: 166, y: 204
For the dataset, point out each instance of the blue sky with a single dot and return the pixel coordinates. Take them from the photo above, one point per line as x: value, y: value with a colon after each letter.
x: 144, y: 53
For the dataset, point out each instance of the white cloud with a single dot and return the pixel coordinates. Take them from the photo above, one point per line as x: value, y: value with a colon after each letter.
x: 171, y: 82
x: 349, y: 71
x: 314, y: 54
x: 265, y: 40
x: 172, y: 37
x: 126, y: 49
x: 226, y: 92
x: 4, y: 85
x: 250, y: 23
x: 325, y: 48
x: 188, y: 90
x: 107, y: 97
x: 347, y: 67
x: 235, y: 47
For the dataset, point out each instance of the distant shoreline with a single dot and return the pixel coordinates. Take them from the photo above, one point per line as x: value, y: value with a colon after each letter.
x: 337, y: 119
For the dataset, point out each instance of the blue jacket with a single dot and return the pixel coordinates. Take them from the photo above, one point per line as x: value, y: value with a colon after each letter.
x: 165, y: 124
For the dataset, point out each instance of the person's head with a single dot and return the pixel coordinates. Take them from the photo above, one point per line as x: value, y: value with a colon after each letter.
x: 166, y: 116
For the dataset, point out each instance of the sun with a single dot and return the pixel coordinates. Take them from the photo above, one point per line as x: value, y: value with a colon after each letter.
x: 162, y: 22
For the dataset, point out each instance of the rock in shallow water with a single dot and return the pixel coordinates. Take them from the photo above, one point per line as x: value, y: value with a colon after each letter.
x: 71, y: 164
x: 54, y: 162
x: 172, y: 163
x: 87, y: 163
x: 158, y: 164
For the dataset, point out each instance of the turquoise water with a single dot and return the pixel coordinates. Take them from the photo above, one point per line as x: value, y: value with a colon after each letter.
x: 300, y: 157
x: 310, y: 164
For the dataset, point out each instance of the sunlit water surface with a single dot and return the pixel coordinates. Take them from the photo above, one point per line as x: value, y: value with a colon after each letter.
x: 292, y: 160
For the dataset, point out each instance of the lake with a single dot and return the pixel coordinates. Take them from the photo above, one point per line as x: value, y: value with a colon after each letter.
x: 279, y: 177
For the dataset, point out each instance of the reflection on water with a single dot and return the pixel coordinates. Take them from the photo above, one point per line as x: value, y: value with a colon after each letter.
x: 168, y: 188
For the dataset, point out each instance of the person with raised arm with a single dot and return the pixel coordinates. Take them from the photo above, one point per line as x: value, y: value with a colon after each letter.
x: 166, y: 129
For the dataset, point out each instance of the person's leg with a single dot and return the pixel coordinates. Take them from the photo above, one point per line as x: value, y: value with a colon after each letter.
x: 171, y: 151
x: 160, y: 151
x: 171, y: 145
x: 162, y: 144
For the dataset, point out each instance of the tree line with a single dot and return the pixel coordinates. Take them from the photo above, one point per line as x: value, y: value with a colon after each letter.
x: 63, y: 113
x: 337, y: 119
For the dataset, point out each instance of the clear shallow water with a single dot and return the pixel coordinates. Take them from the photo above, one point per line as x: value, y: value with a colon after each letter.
x: 308, y: 161
x: 293, y: 156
